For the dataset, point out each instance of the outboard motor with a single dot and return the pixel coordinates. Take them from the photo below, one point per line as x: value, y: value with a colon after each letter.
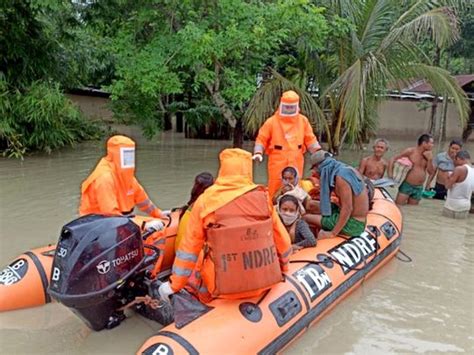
x: 95, y: 260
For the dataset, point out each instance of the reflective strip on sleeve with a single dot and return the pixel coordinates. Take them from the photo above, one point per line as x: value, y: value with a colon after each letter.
x: 258, y: 148
x: 144, y: 203
x: 150, y: 209
x: 161, y: 241
x: 179, y: 271
x: 186, y: 256
x: 286, y: 254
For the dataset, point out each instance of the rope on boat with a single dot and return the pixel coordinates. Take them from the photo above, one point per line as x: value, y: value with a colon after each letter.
x: 406, y: 259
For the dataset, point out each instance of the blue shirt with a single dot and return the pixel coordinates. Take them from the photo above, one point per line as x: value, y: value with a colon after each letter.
x: 443, y: 162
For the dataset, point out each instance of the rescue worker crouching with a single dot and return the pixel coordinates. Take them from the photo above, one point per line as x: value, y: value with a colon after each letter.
x: 112, y: 188
x: 246, y: 247
x: 285, y: 137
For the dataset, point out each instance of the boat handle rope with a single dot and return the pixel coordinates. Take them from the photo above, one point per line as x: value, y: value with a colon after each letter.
x: 407, y: 258
x: 333, y: 260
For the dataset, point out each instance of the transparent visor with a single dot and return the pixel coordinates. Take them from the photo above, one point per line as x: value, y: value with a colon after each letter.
x: 127, y: 158
x: 288, y: 109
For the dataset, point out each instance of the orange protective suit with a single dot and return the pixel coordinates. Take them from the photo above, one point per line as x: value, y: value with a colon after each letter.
x: 285, y: 137
x: 234, y: 181
x: 112, y: 188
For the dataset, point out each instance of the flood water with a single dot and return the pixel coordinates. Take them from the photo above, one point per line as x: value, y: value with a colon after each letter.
x: 426, y: 306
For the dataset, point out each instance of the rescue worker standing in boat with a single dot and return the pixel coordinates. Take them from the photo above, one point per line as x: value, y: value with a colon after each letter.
x: 246, y: 247
x: 112, y: 188
x: 285, y: 137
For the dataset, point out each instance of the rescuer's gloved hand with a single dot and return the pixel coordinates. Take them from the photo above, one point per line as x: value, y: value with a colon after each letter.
x: 257, y: 157
x: 154, y: 225
x: 165, y: 291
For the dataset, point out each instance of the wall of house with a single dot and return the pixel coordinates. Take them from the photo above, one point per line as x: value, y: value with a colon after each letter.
x: 92, y: 106
x: 397, y: 118
x: 405, y: 118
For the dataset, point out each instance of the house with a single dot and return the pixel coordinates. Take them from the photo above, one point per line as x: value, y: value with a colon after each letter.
x: 407, y: 113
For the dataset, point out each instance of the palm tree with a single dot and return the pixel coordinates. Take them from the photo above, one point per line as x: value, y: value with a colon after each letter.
x: 381, y: 46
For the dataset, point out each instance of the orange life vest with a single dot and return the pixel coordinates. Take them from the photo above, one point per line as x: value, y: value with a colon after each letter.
x: 241, y: 247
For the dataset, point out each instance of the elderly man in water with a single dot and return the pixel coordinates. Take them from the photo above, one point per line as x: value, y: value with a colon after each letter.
x: 375, y: 165
x: 349, y: 217
x: 411, y: 189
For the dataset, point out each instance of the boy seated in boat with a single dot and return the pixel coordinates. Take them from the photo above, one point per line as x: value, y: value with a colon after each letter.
x: 411, y: 189
x: 375, y: 165
x: 350, y: 216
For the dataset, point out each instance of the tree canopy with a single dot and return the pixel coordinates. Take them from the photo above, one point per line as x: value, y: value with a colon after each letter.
x: 227, y: 62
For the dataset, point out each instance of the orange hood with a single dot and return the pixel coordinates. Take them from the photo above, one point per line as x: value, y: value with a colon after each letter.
x: 120, y: 161
x: 234, y: 180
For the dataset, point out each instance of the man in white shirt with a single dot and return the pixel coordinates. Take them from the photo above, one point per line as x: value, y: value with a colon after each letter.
x: 460, y: 186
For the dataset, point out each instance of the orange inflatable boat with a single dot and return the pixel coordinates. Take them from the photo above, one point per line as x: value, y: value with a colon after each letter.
x: 24, y: 282
x: 318, y: 279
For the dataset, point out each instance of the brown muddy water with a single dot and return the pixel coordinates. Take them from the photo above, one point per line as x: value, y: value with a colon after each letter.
x: 426, y: 306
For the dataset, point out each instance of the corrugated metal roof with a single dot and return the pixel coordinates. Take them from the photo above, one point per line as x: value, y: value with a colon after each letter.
x: 423, y: 86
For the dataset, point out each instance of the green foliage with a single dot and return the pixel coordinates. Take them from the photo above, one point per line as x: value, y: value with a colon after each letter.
x: 42, y: 118
x: 374, y: 44
x: 207, y: 53
x: 43, y: 47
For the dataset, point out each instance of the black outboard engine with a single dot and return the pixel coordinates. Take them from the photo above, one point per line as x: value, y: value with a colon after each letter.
x: 95, y: 258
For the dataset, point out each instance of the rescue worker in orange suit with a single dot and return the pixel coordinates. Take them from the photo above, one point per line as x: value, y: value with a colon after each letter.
x: 112, y: 188
x: 285, y: 137
x: 245, y: 246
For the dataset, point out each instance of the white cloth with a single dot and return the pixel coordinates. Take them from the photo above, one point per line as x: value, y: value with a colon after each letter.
x: 459, y: 195
x: 165, y: 291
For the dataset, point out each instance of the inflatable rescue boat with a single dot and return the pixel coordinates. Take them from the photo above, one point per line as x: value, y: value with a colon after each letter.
x: 318, y: 279
x: 25, y: 281
x: 104, y: 265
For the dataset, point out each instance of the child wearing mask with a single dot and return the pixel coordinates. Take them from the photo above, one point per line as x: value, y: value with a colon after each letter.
x: 289, y: 210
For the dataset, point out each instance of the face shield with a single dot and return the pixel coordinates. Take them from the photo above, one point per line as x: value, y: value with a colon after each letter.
x: 287, y: 110
x: 127, y: 157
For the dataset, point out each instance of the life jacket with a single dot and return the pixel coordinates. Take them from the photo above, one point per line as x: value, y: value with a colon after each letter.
x: 240, y: 246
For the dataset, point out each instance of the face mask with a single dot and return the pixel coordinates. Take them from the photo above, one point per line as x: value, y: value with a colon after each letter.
x: 288, y: 218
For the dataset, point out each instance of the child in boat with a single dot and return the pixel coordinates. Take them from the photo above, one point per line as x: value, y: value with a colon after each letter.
x: 201, y: 182
x: 421, y: 156
x: 291, y: 186
x: 375, y: 165
x: 289, y: 210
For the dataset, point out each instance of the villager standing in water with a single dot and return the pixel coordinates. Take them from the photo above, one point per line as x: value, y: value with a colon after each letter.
x: 443, y: 164
x: 460, y: 185
x: 411, y: 189
x: 375, y: 165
